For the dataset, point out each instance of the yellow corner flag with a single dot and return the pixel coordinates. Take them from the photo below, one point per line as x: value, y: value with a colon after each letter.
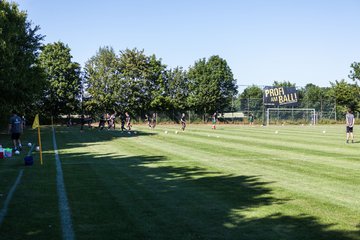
x: 36, y: 124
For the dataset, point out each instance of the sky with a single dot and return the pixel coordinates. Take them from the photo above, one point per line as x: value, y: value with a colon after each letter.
x: 300, y: 41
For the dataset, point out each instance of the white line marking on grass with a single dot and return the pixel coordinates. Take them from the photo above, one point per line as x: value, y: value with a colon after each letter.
x: 65, y: 214
x: 9, y: 197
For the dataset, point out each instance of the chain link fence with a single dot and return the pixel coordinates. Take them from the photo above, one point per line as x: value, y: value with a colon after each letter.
x: 325, y: 111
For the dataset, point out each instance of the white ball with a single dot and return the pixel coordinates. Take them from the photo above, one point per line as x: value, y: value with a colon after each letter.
x: 17, y: 152
x: 176, y: 132
x: 276, y: 132
x: 165, y: 132
x: 37, y: 148
x: 324, y: 131
x: 29, y: 144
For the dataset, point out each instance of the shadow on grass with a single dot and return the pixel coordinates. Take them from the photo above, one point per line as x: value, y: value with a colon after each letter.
x: 152, y: 197
x: 143, y: 197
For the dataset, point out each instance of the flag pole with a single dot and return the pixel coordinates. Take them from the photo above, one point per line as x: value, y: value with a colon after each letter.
x: 36, y: 124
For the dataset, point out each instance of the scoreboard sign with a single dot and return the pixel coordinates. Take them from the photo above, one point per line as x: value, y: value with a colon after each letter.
x: 280, y: 96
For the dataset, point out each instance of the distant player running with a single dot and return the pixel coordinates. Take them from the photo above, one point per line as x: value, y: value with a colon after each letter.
x: 111, y: 121
x: 122, y: 119
x: 153, y: 121
x: 214, y: 121
x: 350, y: 121
x: 183, y: 122
x: 128, y: 121
x: 148, y: 120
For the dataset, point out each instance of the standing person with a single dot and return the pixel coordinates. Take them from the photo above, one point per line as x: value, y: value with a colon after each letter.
x: 153, y: 121
x: 128, y: 121
x: 82, y: 122
x: 69, y: 123
x: 148, y: 120
x: 350, y: 121
x: 122, y: 120
x: 183, y: 121
x: 102, y: 122
x: 15, y: 129
x: 111, y: 122
x: 23, y: 121
x: 214, y: 121
x: 251, y: 119
x: 107, y: 120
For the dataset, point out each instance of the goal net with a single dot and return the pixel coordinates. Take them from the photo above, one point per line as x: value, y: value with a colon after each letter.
x: 290, y: 115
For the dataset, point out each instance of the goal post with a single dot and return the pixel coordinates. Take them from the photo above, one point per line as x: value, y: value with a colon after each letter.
x: 307, y: 115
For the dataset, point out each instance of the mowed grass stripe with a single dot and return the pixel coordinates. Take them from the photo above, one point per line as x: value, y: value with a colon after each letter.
x: 268, y: 139
x: 288, y: 141
x: 136, y: 192
x: 314, y: 182
x: 172, y: 158
x: 228, y: 146
x: 314, y: 174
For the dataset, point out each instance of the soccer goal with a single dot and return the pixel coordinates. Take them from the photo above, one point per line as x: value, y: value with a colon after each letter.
x: 291, y: 115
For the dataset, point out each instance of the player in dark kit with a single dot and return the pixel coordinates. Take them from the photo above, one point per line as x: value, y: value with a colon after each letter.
x: 82, y: 122
x: 15, y: 129
x: 183, y: 122
x: 122, y: 120
x: 153, y: 121
x: 102, y: 122
x: 148, y: 120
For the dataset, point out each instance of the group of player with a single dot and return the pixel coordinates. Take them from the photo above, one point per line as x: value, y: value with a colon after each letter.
x: 125, y: 119
x: 151, y: 121
x: 110, y: 120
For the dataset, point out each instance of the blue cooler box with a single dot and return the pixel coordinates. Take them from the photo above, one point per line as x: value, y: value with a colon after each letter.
x: 28, y: 160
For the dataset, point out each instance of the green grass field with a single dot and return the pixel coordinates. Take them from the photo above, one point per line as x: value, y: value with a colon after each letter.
x: 236, y: 182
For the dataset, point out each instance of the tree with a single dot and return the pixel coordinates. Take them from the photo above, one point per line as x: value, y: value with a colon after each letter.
x: 102, y: 80
x: 283, y: 84
x: 178, y: 88
x: 158, y: 77
x: 355, y: 72
x: 346, y: 95
x: 21, y: 78
x: 143, y: 81
x: 63, y: 86
x: 211, y: 85
x: 251, y: 100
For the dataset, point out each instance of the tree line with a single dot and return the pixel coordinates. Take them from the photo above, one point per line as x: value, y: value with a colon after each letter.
x: 37, y: 77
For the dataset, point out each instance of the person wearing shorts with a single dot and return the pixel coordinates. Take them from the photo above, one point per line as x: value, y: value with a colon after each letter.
x: 183, y: 122
x: 128, y: 121
x: 153, y: 121
x: 213, y: 119
x: 148, y: 120
x: 350, y: 121
x: 15, y: 130
x: 251, y: 119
